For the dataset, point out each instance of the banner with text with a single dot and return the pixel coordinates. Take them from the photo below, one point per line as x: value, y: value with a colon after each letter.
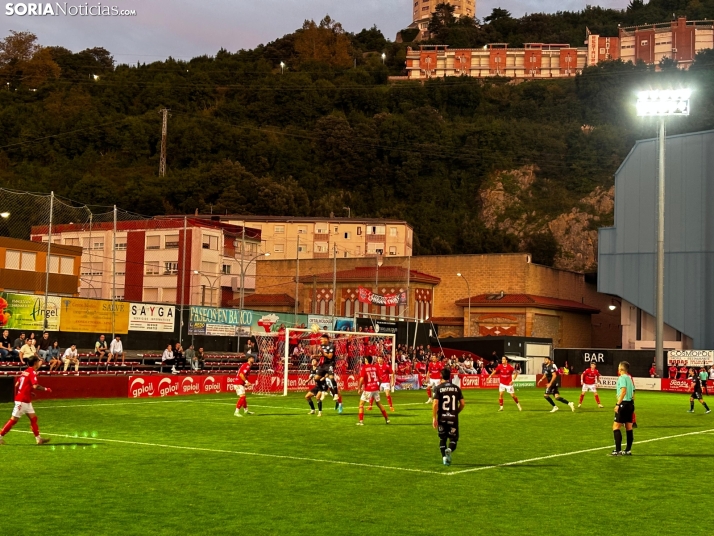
x: 323, y: 322
x: 94, y: 316
x: 27, y: 312
x: 691, y: 358
x: 641, y: 384
x: 222, y: 322
x: 151, y: 317
x: 389, y: 300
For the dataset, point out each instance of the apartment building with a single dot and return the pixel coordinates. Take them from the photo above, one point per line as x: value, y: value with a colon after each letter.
x: 323, y: 238
x: 423, y: 9
x: 166, y: 260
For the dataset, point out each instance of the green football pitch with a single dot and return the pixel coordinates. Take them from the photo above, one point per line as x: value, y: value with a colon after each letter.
x: 186, y: 465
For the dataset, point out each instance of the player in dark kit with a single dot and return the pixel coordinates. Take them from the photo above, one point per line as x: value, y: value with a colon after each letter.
x: 317, y: 391
x: 448, y: 403
x: 550, y: 374
x: 696, y: 392
x: 326, y: 370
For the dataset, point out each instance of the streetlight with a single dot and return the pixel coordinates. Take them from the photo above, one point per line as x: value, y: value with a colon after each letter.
x: 661, y: 103
x: 4, y: 215
x: 468, y: 289
x: 210, y: 284
x: 282, y: 67
x: 384, y: 57
x: 242, y: 290
x: 349, y: 211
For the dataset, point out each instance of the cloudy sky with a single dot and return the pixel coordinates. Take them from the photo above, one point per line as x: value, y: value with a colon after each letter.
x: 187, y: 28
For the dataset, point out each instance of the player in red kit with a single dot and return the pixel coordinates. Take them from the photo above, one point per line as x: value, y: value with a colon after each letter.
x: 386, y: 381
x: 506, y: 376
x: 434, y: 375
x: 590, y: 378
x: 369, y: 387
x: 241, y: 384
x: 24, y: 386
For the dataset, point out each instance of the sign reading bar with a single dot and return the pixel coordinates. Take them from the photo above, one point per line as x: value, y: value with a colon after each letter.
x: 152, y: 317
x: 93, y: 316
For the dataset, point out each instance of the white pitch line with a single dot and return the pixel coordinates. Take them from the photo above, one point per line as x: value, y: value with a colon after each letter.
x: 572, y: 453
x: 221, y: 451
x: 117, y: 404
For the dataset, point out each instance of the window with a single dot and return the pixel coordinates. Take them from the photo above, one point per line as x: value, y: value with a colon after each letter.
x: 644, y: 43
x: 348, y: 235
x: 392, y: 250
x: 12, y: 259
x: 168, y: 295
x: 210, y: 242
x: 279, y: 229
x: 71, y: 241
x: 302, y: 249
x: 278, y: 248
x: 120, y: 294
x: 120, y: 244
x: 392, y: 231
x: 121, y: 269
x: 152, y: 268
x: 425, y: 8
x: 91, y: 268
x: 337, y: 229
x: 321, y: 229
x: 27, y: 261
x: 61, y: 265
x: 302, y: 229
x: 209, y: 267
x: 320, y: 248
x: 602, y: 51
x: 170, y: 268
x: 153, y: 242
x: 345, y: 254
x: 151, y: 294
x: 226, y: 269
x: 171, y: 242
x: 359, y: 230
x: 376, y: 229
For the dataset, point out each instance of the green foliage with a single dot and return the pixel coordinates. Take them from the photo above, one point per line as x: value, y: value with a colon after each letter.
x: 543, y: 248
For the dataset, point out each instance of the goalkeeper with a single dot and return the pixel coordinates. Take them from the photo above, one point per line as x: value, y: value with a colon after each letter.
x: 326, y: 369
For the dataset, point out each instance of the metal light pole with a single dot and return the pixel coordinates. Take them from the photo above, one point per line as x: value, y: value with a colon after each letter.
x: 242, y: 290
x: 468, y: 289
x: 661, y: 104
x: 211, y: 285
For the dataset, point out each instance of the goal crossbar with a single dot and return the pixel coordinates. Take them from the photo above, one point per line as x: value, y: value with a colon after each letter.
x: 286, y: 349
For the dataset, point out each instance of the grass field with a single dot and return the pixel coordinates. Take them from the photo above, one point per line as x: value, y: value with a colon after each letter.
x: 188, y: 466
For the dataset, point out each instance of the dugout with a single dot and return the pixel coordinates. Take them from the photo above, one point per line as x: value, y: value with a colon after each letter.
x: 606, y: 360
x: 533, y: 349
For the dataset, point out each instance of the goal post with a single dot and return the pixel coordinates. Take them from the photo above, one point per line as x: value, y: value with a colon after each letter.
x: 350, y: 347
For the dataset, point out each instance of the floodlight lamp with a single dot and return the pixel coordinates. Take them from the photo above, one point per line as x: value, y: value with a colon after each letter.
x: 5, y: 215
x: 458, y: 274
x: 663, y: 102
x: 612, y: 307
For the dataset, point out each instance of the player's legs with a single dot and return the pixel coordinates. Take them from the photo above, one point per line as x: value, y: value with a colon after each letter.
x: 563, y: 401
x: 550, y: 401
x: 361, y: 410
x: 515, y: 399
x: 388, y: 394
x: 335, y: 391
x: 384, y: 411
x: 310, y: 403
x: 500, y: 400
x: 701, y: 401
x: 8, y: 426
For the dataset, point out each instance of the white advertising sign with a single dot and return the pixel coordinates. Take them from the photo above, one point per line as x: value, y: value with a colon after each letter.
x: 151, y: 317
x: 325, y: 322
x: 691, y: 358
x: 641, y: 384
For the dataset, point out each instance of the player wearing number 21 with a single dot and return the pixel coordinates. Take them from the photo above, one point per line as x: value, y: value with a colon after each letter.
x: 369, y: 387
x: 26, y: 383
x: 448, y: 403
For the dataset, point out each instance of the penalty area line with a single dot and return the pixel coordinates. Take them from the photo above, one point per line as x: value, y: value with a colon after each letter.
x: 240, y: 453
x: 573, y: 453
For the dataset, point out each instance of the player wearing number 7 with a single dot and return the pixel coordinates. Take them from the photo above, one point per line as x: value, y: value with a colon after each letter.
x: 26, y: 383
x: 369, y: 387
x: 507, y: 375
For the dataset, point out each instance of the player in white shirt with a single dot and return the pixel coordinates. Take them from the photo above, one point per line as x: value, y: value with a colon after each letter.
x: 70, y: 357
x: 116, y: 350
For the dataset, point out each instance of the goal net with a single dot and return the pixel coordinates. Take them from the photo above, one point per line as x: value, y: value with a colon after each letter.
x: 284, y: 359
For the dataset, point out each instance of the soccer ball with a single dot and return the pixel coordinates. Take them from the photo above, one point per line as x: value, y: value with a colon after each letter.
x: 315, y: 328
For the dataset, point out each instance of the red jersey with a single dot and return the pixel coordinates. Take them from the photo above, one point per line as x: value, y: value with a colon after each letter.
x: 653, y: 371
x: 315, y: 339
x: 505, y: 374
x: 370, y: 377
x: 672, y: 372
x: 683, y: 373
x: 435, y: 369
x: 24, y: 389
x: 590, y: 376
x: 385, y: 372
x: 243, y: 370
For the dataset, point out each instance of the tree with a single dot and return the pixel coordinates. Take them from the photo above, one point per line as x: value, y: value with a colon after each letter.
x: 324, y: 43
x: 24, y: 62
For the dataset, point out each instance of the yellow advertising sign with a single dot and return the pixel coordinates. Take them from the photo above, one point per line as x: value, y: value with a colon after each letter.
x: 93, y: 316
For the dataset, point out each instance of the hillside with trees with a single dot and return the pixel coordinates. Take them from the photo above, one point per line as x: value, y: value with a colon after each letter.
x: 476, y: 166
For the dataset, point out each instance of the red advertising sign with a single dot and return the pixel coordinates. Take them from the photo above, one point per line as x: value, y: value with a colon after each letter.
x: 476, y: 381
x: 160, y: 386
x: 676, y: 386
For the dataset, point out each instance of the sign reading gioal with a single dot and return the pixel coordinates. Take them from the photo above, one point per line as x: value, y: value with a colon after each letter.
x: 56, y: 9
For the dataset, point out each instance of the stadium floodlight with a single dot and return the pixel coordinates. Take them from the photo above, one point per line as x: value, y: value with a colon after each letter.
x: 661, y: 103
x: 4, y: 215
x: 282, y: 67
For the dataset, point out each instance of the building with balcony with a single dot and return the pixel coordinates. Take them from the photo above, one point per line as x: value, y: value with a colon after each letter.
x: 23, y: 267
x: 168, y: 260
x: 323, y: 238
x: 423, y: 9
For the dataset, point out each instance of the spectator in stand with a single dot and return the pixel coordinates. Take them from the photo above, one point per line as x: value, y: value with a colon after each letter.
x: 201, y: 357
x: 703, y: 377
x: 467, y: 367
x: 19, y: 343
x: 249, y: 349
x: 653, y: 371
x: 6, y: 348
x: 683, y: 372
x: 672, y: 372
x: 70, y: 357
x: 55, y: 357
x: 28, y: 350
x: 116, y: 349
x: 566, y: 369
x: 33, y: 338
x: 101, y: 348
x: 43, y: 347
x: 179, y: 359
x: 190, y: 356
x: 711, y: 374
x: 167, y: 359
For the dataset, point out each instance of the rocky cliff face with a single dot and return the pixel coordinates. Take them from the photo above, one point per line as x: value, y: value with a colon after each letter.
x: 507, y: 203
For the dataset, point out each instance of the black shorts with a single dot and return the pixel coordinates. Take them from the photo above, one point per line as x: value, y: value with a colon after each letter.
x: 324, y: 370
x: 697, y: 395
x: 552, y: 390
x: 626, y: 412
x: 316, y: 390
x: 449, y: 430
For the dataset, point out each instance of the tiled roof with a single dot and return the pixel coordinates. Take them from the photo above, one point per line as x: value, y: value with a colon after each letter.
x: 392, y: 274
x: 528, y: 300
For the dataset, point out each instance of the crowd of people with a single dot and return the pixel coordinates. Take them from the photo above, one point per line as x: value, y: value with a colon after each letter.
x: 176, y: 358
